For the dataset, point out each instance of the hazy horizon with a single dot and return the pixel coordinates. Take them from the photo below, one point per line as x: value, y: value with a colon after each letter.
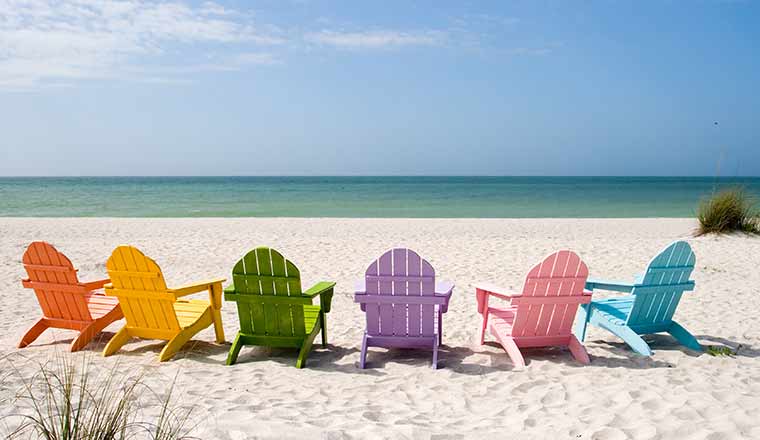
x: 127, y: 176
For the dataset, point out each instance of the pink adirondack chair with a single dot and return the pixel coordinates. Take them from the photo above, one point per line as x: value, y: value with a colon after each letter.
x: 66, y: 302
x: 402, y: 301
x: 542, y: 315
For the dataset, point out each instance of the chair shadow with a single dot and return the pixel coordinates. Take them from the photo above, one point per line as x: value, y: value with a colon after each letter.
x: 198, y: 350
x: 459, y: 359
x: 656, y: 341
x: 664, y: 342
x: 324, y: 359
x: 456, y: 359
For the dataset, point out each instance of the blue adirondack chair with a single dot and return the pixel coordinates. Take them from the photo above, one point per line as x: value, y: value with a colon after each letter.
x: 650, y: 307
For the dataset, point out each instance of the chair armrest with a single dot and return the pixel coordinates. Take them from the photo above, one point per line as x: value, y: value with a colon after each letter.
x: 325, y: 290
x: 614, y: 286
x: 484, y: 291
x: 93, y: 285
x: 444, y: 288
x: 360, y: 287
x: 229, y: 290
x: 499, y: 292
x: 214, y: 287
x: 200, y: 286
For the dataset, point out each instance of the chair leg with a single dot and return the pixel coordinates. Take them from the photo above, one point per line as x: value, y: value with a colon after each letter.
x: 512, y: 350
x: 483, y: 330
x: 33, y: 333
x: 88, y: 333
x: 306, y: 349
x: 323, y: 323
x: 216, y: 315
x: 684, y: 337
x: 578, y: 350
x: 629, y: 336
x: 435, y: 353
x: 440, y: 328
x: 584, y: 311
x: 175, y: 344
x: 363, y: 355
x: 119, y: 339
x: 235, y: 350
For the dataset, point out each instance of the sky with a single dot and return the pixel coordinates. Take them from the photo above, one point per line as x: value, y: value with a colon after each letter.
x: 408, y: 87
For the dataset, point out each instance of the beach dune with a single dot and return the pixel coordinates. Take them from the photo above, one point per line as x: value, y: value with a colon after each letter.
x: 676, y: 393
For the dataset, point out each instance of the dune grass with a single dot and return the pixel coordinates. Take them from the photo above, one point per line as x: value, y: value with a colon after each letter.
x: 731, y: 210
x: 68, y: 401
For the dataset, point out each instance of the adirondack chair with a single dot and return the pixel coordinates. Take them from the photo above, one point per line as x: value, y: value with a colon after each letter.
x: 66, y: 302
x: 272, y: 308
x: 402, y: 302
x: 154, y: 311
x: 649, y: 309
x: 542, y: 315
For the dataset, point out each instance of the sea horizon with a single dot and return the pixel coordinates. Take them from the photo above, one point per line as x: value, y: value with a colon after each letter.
x: 362, y: 196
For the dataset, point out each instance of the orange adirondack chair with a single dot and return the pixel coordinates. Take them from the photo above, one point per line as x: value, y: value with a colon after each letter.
x: 66, y: 302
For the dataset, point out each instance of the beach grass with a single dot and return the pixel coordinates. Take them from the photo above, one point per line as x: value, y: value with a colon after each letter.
x: 730, y: 210
x: 72, y: 401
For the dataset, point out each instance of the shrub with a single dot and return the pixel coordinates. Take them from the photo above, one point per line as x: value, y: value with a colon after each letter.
x: 730, y: 210
x: 63, y: 401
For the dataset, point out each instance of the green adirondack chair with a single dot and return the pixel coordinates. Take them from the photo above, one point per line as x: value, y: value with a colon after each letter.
x: 273, y: 310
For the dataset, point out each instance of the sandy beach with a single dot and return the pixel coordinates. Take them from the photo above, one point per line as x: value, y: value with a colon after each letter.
x: 476, y: 392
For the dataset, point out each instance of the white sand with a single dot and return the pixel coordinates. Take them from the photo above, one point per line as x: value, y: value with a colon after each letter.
x: 674, y: 394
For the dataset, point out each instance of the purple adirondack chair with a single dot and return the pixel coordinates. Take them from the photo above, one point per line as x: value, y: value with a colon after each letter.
x: 402, y: 302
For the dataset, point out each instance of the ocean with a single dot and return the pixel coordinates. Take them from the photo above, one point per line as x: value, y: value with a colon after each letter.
x: 434, y: 197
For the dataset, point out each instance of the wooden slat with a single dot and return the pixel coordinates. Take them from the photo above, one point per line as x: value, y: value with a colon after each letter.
x: 372, y: 311
x: 268, y: 299
x: 294, y: 287
x: 414, y: 289
x: 49, y: 268
x: 391, y: 299
x: 578, y: 274
x: 399, y: 278
x: 385, y: 287
x: 428, y: 314
x: 244, y: 314
x: 55, y: 287
x: 134, y: 274
x: 284, y: 320
x: 546, y: 304
x: 267, y: 288
x: 399, y: 260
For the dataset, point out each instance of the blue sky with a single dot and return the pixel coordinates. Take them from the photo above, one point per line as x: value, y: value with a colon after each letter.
x: 312, y: 87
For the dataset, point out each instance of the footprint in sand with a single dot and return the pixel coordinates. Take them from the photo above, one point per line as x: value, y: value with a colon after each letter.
x: 609, y: 434
x: 554, y: 398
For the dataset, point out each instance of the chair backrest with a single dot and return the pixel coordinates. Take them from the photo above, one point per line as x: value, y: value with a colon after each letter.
x: 550, y: 297
x: 139, y: 284
x: 405, y: 286
x: 274, y: 283
x: 54, y: 281
x: 657, y: 295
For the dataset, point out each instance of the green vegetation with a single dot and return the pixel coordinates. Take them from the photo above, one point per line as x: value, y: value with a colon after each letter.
x: 69, y: 402
x: 721, y: 350
x: 728, y: 211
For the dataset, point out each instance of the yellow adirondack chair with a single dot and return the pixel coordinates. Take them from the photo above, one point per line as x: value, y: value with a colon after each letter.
x: 154, y: 311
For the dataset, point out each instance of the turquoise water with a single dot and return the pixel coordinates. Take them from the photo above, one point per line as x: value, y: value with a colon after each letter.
x: 447, y: 197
